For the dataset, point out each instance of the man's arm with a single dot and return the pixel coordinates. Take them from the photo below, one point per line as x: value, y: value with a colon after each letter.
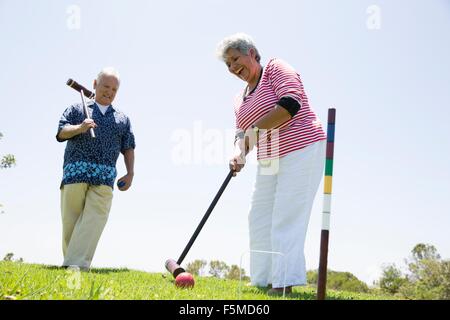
x: 70, y: 131
x: 128, y: 156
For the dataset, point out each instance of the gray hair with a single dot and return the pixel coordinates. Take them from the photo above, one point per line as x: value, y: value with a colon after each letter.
x: 108, y: 71
x: 239, y: 41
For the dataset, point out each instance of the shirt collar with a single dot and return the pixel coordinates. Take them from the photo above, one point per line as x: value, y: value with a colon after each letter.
x: 91, y: 104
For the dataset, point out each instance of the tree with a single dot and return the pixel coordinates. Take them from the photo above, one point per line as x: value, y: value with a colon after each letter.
x: 427, y: 272
x: 235, y: 273
x: 428, y: 276
x: 445, y: 280
x: 424, y: 251
x: 336, y: 280
x: 195, y: 267
x: 392, y: 279
x: 421, y: 257
x: 218, y: 268
x: 8, y: 257
x: 7, y: 160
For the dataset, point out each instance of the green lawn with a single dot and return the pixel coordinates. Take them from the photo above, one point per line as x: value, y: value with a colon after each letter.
x: 31, y: 281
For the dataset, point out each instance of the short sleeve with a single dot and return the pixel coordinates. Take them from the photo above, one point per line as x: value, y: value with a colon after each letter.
x: 285, y: 80
x: 128, y: 141
x: 70, y: 117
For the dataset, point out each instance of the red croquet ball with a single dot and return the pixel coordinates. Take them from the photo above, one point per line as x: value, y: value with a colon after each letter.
x: 184, y: 280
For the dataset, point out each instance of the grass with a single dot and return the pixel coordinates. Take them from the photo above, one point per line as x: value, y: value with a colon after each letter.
x: 40, y: 282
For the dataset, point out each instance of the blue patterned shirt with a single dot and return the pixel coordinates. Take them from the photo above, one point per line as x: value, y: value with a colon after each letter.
x: 93, y: 160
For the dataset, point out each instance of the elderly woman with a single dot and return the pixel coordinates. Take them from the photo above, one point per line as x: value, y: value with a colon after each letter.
x: 273, y: 114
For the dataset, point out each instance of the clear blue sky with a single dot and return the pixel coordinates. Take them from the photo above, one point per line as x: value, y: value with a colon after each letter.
x: 390, y: 86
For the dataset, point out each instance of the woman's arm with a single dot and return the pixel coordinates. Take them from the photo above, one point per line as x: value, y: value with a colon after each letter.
x: 274, y: 118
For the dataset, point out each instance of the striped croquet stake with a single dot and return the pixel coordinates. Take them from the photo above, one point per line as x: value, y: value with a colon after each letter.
x: 322, y: 280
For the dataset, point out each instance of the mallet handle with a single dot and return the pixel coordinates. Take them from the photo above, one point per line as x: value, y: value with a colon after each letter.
x: 86, y: 112
x: 205, y: 217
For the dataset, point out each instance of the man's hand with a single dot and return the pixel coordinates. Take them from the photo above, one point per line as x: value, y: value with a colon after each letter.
x: 125, y: 182
x: 70, y: 131
x: 86, y: 125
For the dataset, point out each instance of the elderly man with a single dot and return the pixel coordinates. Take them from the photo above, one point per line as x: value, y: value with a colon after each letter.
x: 89, y: 168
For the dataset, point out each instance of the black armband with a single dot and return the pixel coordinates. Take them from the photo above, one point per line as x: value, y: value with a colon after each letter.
x: 290, y: 104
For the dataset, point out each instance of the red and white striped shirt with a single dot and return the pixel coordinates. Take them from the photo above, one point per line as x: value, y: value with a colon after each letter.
x: 279, y: 80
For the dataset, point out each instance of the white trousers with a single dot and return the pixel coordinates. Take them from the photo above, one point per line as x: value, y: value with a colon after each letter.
x: 279, y: 215
x: 85, y: 210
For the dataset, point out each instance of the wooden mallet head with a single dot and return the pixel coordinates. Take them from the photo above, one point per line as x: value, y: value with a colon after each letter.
x: 174, y: 268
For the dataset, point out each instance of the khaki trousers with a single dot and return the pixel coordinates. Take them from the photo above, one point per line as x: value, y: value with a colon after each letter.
x: 84, y: 209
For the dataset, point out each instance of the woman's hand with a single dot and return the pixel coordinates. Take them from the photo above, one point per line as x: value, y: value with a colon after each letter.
x: 236, y: 164
x: 237, y: 161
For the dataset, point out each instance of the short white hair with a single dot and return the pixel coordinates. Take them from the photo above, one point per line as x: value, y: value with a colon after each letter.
x: 239, y: 41
x: 108, y: 71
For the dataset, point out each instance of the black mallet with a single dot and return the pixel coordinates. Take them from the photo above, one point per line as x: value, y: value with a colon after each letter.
x: 83, y: 92
x: 78, y: 87
x: 174, y: 267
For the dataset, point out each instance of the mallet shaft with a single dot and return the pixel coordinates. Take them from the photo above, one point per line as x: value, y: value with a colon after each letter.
x: 86, y: 112
x: 205, y: 217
